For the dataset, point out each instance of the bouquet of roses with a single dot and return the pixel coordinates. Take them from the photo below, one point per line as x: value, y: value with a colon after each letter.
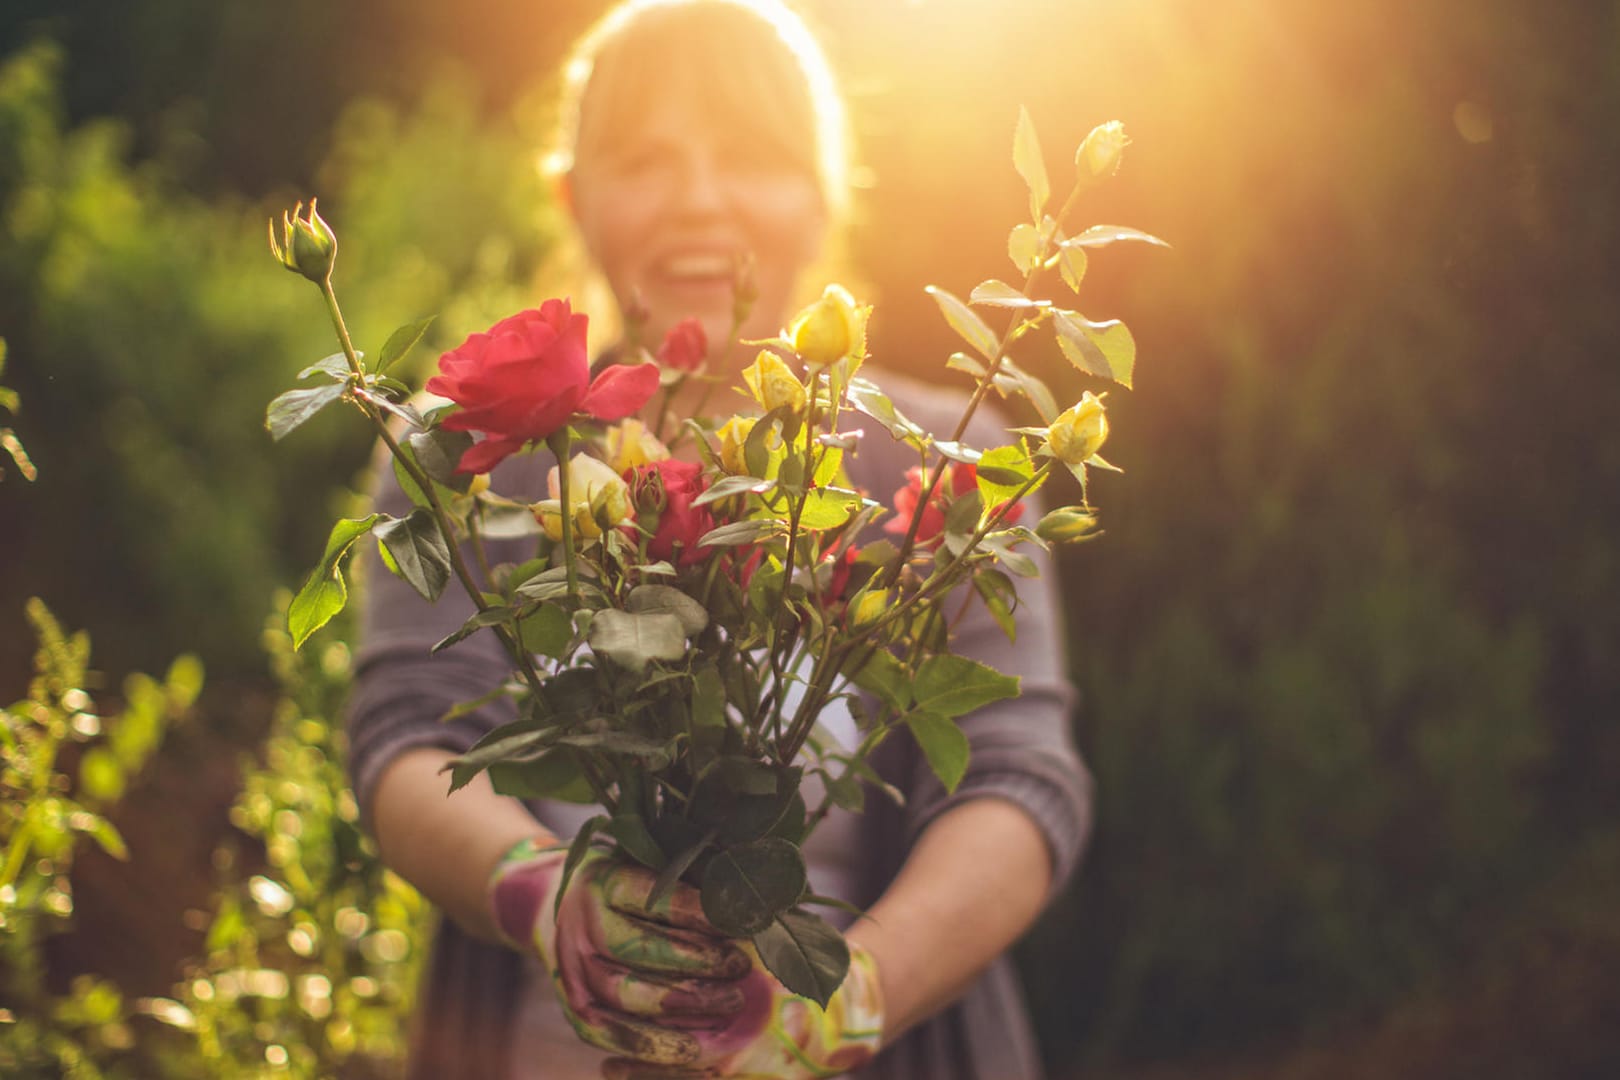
x: 699, y: 594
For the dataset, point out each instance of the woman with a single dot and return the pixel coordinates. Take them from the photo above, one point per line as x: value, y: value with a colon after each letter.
x: 703, y: 132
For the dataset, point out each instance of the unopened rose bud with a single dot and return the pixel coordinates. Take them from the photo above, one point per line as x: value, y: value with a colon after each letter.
x: 1067, y: 524
x: 307, y: 246
x: 773, y: 383
x: 1099, y: 155
x: 830, y: 329
x: 1078, y: 432
x: 733, y: 441
x: 869, y: 608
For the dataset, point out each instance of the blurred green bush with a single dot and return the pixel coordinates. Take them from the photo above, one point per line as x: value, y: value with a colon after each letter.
x: 148, y: 329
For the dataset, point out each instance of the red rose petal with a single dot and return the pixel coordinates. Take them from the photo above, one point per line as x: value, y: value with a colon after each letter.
x: 620, y: 391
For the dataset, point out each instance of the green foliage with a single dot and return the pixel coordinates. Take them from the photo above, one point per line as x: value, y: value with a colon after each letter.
x: 141, y: 320
x: 88, y: 1032
x: 312, y: 958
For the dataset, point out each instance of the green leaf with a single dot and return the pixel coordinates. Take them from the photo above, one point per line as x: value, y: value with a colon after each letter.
x: 1000, y: 545
x: 1072, y: 266
x: 708, y: 706
x: 418, y: 551
x: 548, y: 630
x: 108, y: 837
x: 633, y: 641
x: 1024, y: 246
x: 742, y: 532
x: 805, y: 954
x: 952, y: 685
x: 966, y: 322
x: 1027, y: 160
x: 227, y: 927
x: 1000, y: 598
x: 827, y: 508
x: 576, y: 855
x: 1113, y: 338
x: 1077, y: 345
x: 943, y: 744
x: 1033, y: 389
x: 733, y: 485
x: 868, y: 399
x: 335, y: 367
x: 324, y: 594
x: 630, y: 830
x: 958, y: 452
x: 746, y: 776
x: 885, y: 678
x: 487, y: 617
x: 747, y: 886
x: 994, y: 293
x: 1101, y: 235
x: 293, y: 407
x: 1003, y: 472
x: 677, y: 866
x: 507, y: 741
x: 666, y: 599
x: 438, y: 452
x: 553, y: 775
x: 401, y: 341
x: 101, y: 777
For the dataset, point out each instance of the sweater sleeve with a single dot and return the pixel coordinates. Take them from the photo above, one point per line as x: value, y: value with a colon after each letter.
x: 402, y: 689
x: 1021, y: 749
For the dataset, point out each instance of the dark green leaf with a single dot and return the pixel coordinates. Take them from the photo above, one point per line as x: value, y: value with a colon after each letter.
x: 419, y: 553
x: 708, y: 707
x: 553, y: 775
x: 885, y: 678
x: 746, y: 776
x: 630, y: 830
x: 617, y: 742
x: 507, y: 741
x: 324, y: 593
x: 576, y: 855
x: 747, y: 886
x: 943, y: 744
x: 292, y: 408
x: 549, y: 631
x: 952, y: 685
x: 633, y: 641
x: 401, y: 341
x: 438, y: 452
x: 805, y: 954
x: 677, y: 866
x: 999, y: 595
x: 487, y: 617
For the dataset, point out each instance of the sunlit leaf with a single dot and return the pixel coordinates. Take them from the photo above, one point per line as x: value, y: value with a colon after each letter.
x: 1027, y: 160
x: 966, y: 322
x: 1072, y: 266
x: 994, y: 293
x: 1024, y: 246
x: 1101, y: 235
x: 401, y: 341
x: 867, y: 398
x: 324, y: 593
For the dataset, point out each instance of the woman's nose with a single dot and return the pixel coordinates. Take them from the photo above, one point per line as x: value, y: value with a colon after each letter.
x: 702, y: 185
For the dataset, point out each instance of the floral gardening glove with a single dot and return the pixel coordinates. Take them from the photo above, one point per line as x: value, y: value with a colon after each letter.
x: 648, y: 984
x: 781, y: 1036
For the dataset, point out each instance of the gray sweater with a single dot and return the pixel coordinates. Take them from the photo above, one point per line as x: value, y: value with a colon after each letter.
x: 1021, y: 750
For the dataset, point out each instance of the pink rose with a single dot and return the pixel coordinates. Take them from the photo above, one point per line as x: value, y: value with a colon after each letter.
x: 526, y: 378
x: 663, y: 492
x: 684, y: 346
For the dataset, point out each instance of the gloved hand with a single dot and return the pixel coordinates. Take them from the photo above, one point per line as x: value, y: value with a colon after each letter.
x: 781, y: 1036
x: 649, y: 984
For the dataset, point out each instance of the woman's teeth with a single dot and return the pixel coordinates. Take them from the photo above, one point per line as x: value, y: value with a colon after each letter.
x: 698, y: 266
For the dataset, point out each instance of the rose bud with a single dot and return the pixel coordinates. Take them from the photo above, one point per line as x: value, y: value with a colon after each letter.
x: 773, y: 383
x: 308, y: 245
x: 1078, y: 432
x: 664, y: 490
x: 598, y: 498
x: 684, y: 346
x: 830, y: 329
x: 1099, y: 155
x: 733, y: 439
x: 1067, y: 524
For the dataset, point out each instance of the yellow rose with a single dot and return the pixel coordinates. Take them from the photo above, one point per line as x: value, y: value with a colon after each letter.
x: 830, y: 329
x: 773, y: 383
x: 733, y: 437
x: 1079, y: 432
x: 598, y: 500
x: 1101, y: 151
x: 629, y: 444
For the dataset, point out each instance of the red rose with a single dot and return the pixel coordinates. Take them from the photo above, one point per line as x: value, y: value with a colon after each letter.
x: 526, y: 378
x: 684, y: 346
x: 663, y: 491
x: 959, y: 480
x: 843, y: 567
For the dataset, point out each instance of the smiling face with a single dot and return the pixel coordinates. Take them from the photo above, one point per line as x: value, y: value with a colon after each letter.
x: 698, y: 144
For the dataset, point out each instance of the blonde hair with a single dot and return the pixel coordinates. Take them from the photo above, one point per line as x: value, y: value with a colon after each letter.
x: 738, y: 49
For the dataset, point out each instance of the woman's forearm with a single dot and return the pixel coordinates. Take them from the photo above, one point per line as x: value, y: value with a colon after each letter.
x: 975, y: 881
x: 446, y: 846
